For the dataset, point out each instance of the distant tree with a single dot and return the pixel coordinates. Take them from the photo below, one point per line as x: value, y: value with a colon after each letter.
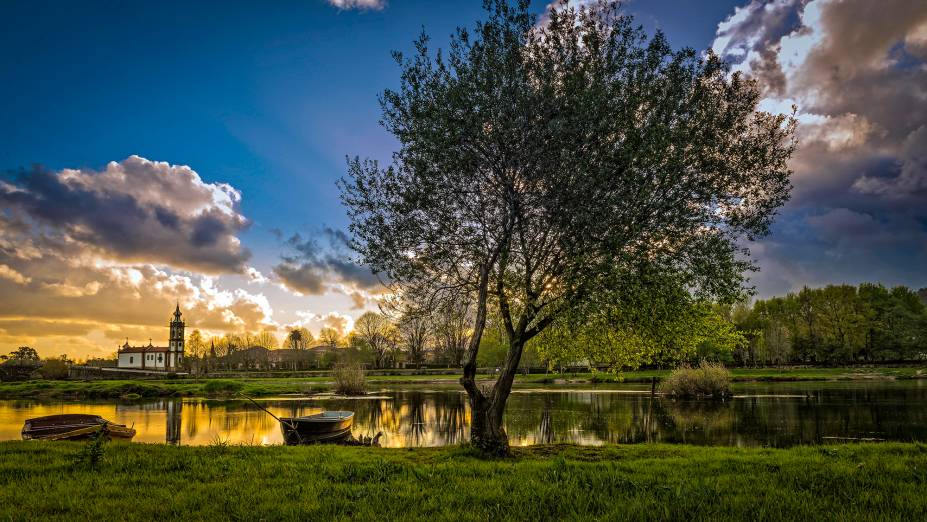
x: 414, y: 329
x: 298, y: 339
x: 329, y: 336
x: 196, y: 344
x: 563, y: 167
x: 451, y: 323
x: 375, y: 332
x: 266, y: 339
x: 839, y: 324
x: 23, y: 353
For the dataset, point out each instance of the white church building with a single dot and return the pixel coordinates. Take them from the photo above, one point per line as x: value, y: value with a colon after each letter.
x: 167, y: 358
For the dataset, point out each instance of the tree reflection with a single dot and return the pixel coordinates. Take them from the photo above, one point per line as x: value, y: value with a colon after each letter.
x: 174, y: 417
x: 414, y: 419
x: 760, y: 415
x: 546, y: 428
x: 452, y: 421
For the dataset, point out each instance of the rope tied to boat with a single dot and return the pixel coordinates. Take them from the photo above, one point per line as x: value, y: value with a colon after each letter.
x: 281, y: 421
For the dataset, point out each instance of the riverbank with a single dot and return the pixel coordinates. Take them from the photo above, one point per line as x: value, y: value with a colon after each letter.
x: 136, y: 389
x: 46, y: 481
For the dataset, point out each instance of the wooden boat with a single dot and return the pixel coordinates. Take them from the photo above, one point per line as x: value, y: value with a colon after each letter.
x: 73, y: 426
x: 328, y: 426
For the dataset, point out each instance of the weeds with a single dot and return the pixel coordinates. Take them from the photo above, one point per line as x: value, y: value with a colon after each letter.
x: 708, y: 381
x: 350, y: 380
x: 92, y: 453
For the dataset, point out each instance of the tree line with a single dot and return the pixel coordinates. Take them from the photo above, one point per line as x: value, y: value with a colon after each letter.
x: 832, y: 325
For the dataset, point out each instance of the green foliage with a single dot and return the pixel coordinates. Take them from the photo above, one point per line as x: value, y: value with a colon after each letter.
x: 222, y: 386
x: 642, y: 482
x: 708, y: 381
x: 836, y: 324
x: 55, y: 369
x: 91, y: 454
x: 622, y: 339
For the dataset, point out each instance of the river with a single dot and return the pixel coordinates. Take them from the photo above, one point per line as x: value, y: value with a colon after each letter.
x: 774, y: 414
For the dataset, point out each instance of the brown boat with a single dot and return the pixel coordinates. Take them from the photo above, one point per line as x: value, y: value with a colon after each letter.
x: 73, y: 426
x: 328, y: 426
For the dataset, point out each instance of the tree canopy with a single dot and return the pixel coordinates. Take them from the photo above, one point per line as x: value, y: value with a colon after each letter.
x: 550, y: 167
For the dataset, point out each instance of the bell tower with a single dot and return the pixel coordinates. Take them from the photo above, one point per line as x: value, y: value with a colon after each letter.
x: 175, y: 346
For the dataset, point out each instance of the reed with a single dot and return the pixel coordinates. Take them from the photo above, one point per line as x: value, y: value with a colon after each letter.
x: 350, y: 380
x: 708, y: 381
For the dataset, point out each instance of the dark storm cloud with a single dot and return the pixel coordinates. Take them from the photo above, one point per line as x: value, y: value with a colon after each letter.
x: 306, y: 278
x: 856, y: 70
x: 312, y: 269
x: 136, y: 210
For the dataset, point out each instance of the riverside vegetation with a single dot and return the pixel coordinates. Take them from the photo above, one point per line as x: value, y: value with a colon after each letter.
x: 222, y: 482
x: 707, y: 381
x: 133, y: 389
x: 349, y: 380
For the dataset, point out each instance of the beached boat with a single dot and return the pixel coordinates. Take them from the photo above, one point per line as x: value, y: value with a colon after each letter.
x: 73, y: 426
x: 328, y: 426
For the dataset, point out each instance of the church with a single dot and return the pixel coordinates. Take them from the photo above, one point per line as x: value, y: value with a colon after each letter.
x: 166, y: 358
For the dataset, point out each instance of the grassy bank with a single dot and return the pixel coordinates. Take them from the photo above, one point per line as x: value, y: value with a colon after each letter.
x: 141, y: 389
x: 145, y: 482
x: 307, y: 385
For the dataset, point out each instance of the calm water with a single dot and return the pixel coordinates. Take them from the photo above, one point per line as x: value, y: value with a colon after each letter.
x: 759, y: 415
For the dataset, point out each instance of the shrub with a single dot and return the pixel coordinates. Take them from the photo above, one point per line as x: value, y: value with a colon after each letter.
x: 709, y: 380
x: 349, y: 379
x: 219, y: 386
x: 18, y: 370
x: 54, y: 369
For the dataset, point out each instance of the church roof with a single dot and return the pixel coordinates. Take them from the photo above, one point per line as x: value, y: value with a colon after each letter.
x: 143, y: 349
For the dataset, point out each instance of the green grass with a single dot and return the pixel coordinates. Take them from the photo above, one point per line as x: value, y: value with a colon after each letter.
x: 150, y: 388
x: 46, y: 481
x: 305, y: 385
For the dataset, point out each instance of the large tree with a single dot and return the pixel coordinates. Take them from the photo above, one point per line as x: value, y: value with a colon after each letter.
x: 545, y: 166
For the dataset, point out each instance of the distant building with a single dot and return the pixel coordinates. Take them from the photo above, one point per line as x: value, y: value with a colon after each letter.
x: 167, y: 358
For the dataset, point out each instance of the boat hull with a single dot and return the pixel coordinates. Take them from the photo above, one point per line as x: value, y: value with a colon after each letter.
x: 324, y: 427
x: 73, y: 427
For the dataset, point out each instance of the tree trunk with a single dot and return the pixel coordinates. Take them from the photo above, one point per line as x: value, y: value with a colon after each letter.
x: 486, y: 430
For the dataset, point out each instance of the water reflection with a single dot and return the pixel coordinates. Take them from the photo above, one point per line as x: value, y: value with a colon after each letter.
x: 761, y: 415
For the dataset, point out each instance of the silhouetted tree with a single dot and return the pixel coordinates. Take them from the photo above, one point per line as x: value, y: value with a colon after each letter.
x: 554, y: 166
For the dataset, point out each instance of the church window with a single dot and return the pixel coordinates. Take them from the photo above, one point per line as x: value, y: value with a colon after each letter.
x: 130, y: 360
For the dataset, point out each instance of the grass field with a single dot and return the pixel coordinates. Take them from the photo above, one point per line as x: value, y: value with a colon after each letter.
x: 46, y: 481
x: 307, y: 385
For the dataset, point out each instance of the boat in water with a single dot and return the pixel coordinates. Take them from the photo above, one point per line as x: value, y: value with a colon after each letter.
x: 328, y: 426
x: 73, y: 426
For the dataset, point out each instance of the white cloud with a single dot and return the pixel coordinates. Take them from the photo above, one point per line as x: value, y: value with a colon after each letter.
x: 255, y: 276
x: 342, y: 323
x: 132, y: 211
x: 358, y: 4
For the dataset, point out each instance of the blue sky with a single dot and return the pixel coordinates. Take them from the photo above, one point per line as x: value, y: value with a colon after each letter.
x: 269, y: 98
x: 264, y: 98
